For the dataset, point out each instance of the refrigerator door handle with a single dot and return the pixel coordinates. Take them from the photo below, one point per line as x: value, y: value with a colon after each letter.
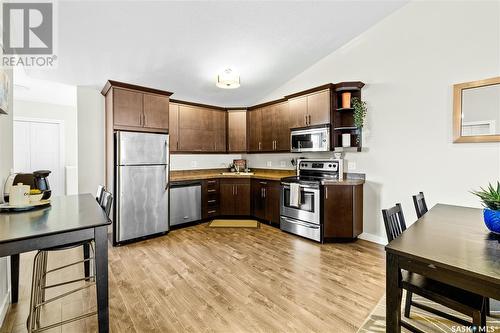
x: 166, y: 177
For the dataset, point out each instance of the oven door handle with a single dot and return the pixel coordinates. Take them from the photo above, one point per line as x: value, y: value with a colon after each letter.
x: 308, y: 225
x: 287, y: 185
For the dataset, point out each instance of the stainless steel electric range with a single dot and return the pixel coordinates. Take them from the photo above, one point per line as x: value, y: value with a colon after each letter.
x: 300, y: 212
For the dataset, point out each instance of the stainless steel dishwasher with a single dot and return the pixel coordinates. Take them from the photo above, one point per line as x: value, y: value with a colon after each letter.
x: 185, y: 202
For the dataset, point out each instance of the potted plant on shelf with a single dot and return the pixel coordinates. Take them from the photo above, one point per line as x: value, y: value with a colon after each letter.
x: 359, y: 114
x: 490, y: 198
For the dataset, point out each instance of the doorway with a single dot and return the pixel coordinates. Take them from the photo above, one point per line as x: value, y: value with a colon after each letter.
x: 39, y: 145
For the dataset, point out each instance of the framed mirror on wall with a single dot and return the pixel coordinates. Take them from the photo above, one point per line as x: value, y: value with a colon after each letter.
x: 476, y: 111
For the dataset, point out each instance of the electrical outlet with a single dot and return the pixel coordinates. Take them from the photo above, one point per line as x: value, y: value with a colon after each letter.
x: 283, y: 164
x: 194, y: 164
x: 351, y: 166
x: 269, y: 163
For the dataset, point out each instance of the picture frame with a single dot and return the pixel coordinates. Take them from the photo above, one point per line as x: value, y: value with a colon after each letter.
x: 4, y: 91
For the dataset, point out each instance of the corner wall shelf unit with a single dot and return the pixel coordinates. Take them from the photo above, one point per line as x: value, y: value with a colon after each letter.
x: 343, y: 116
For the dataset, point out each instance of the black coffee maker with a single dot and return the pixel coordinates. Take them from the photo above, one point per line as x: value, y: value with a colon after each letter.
x: 36, y: 180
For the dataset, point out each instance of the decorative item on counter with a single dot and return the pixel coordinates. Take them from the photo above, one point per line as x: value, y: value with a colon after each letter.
x: 337, y: 155
x: 19, y: 195
x: 490, y: 199
x: 346, y: 140
x: 346, y: 100
x: 240, y: 164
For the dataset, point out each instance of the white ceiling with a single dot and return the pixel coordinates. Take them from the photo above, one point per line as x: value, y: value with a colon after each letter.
x: 181, y: 46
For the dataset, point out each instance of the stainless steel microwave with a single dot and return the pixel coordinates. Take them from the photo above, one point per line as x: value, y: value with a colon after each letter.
x: 313, y: 139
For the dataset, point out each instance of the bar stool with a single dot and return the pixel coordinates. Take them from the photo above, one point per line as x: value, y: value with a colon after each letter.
x: 40, y: 272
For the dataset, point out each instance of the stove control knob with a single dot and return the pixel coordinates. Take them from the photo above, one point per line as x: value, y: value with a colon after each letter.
x: 329, y: 165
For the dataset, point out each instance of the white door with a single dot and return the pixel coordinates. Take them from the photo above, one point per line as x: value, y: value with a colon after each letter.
x: 38, y: 146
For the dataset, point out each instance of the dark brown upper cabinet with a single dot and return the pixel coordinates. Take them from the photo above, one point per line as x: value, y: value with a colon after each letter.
x: 156, y: 110
x: 237, y: 131
x: 268, y: 127
x: 311, y: 109
x: 281, y: 126
x: 173, y: 116
x: 200, y: 129
x: 136, y: 108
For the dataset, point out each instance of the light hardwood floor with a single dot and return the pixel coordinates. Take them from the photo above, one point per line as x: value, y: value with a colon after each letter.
x: 200, y: 279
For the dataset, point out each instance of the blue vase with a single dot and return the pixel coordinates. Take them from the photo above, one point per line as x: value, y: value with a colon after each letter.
x: 492, y: 220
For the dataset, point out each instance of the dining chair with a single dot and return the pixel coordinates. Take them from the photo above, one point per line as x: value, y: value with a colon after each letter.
x: 100, y: 191
x: 420, y: 204
x: 40, y: 272
x: 462, y: 301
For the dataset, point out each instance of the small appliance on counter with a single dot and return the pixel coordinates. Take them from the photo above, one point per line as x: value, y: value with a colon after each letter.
x: 36, y: 181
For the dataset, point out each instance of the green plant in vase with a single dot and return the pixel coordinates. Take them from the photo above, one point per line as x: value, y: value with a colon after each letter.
x: 490, y: 198
x: 359, y: 114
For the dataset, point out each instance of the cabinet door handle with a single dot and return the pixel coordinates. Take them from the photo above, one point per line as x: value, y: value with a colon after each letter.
x: 305, y: 118
x: 211, y: 201
x: 236, y: 187
x: 212, y: 181
x: 259, y: 145
x: 309, y: 119
x: 326, y: 192
x: 264, y: 192
x: 210, y: 190
x: 211, y: 211
x: 263, y: 183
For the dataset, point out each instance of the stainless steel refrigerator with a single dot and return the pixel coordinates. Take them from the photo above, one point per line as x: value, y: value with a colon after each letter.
x: 141, y: 186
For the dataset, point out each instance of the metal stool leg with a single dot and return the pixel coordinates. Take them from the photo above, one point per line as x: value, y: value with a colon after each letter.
x: 39, y: 286
x: 35, y: 292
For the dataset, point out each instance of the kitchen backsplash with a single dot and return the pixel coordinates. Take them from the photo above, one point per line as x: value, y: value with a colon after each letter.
x: 261, y: 161
x: 279, y: 161
x: 201, y: 161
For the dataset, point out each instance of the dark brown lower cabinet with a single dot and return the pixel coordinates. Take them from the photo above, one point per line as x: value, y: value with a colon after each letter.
x: 342, y: 212
x: 210, y: 198
x: 266, y: 200
x: 235, y: 197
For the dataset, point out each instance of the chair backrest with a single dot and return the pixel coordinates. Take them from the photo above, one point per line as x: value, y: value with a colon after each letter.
x: 420, y: 205
x: 107, y: 202
x: 394, y: 221
x: 99, y: 193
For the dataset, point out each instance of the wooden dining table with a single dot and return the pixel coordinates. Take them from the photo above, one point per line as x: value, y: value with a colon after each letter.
x: 67, y: 220
x: 449, y: 244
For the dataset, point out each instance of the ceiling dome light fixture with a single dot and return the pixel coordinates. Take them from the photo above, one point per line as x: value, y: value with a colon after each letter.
x: 228, y: 79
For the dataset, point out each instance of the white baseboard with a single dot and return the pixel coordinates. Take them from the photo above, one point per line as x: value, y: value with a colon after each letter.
x: 373, y: 238
x: 4, y: 306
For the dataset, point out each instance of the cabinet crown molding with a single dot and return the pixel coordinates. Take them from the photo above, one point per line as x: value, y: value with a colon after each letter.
x: 111, y: 84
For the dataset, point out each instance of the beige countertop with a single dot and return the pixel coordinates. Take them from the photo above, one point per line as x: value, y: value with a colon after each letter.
x: 268, y: 174
x: 348, y: 182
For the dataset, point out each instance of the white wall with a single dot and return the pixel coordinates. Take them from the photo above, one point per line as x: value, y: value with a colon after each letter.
x: 409, y: 62
x: 90, y: 110
x: 66, y: 113
x: 6, y: 164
